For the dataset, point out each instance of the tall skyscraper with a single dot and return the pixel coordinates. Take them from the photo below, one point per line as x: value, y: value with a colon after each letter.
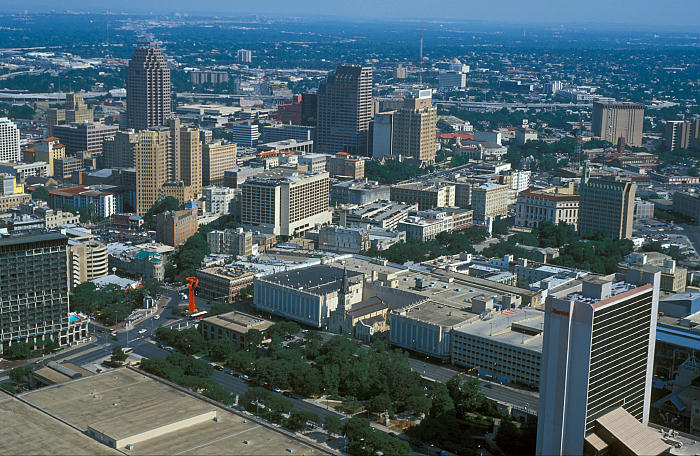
x: 344, y: 111
x: 677, y: 135
x: 173, y: 166
x: 614, y: 120
x: 34, y: 289
x: 9, y: 141
x: 597, y: 355
x: 151, y: 167
x: 148, y: 96
x: 414, y: 127
x: 191, y: 159
x: 607, y: 205
x: 244, y: 55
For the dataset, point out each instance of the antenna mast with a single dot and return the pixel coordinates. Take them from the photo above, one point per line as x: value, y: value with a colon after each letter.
x: 420, y: 62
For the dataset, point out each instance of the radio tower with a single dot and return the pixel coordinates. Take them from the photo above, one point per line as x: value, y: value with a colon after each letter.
x: 420, y: 62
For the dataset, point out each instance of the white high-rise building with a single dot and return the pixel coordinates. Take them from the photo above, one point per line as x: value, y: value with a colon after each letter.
x: 9, y: 141
x: 597, y: 355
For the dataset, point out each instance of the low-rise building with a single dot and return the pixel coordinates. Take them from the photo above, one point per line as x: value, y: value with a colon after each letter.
x: 305, y: 295
x: 639, y: 268
x: 231, y: 242
x: 427, y: 328
x: 233, y: 325
x: 345, y: 165
x: 8, y: 202
x: 358, y: 191
x: 219, y: 200
x: 426, y: 227
x: 643, y: 210
x: 93, y: 200
x: 687, y: 203
x: 553, y: 205
x: 489, y: 200
x: 346, y: 240
x: 223, y: 283
x: 146, y: 261
x: 427, y: 194
x: 174, y: 228
x: 503, y: 346
x: 382, y: 214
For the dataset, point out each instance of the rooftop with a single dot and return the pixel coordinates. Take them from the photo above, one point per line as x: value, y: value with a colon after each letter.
x: 318, y: 279
x: 239, y: 322
x: 522, y: 327
x: 125, y: 402
x: 436, y: 313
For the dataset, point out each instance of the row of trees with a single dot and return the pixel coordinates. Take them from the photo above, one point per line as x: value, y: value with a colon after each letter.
x: 110, y: 303
x: 188, y: 372
x: 444, y: 244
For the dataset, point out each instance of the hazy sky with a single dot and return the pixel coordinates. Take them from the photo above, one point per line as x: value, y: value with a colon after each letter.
x: 629, y: 12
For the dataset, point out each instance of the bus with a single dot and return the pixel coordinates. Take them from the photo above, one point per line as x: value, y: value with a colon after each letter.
x: 197, y: 315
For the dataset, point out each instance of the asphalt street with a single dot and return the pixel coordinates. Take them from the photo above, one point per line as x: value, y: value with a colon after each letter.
x: 520, y: 399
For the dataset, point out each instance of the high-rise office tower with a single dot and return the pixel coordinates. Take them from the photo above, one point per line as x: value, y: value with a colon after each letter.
x: 607, y: 205
x: 614, y: 120
x: 191, y: 159
x: 9, y: 141
x: 88, y: 136
x: 33, y: 289
x: 415, y: 126
x: 677, y: 135
x: 286, y: 202
x: 151, y: 167
x: 148, y: 96
x: 244, y: 55
x: 383, y: 134
x: 120, y: 150
x: 309, y: 109
x: 173, y: 165
x: 344, y: 111
x: 216, y: 159
x: 597, y: 355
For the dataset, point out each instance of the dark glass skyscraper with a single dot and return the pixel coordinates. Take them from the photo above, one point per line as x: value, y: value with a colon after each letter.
x: 148, y: 96
x: 33, y: 289
x: 344, y: 111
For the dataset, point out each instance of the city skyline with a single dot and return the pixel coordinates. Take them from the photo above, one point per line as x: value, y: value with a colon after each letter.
x: 624, y: 12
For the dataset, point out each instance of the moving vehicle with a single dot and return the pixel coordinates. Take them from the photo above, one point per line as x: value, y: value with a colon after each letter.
x: 143, y: 331
x: 156, y: 317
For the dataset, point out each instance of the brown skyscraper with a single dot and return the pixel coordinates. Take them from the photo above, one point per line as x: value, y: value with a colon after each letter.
x: 151, y: 168
x: 344, y: 111
x: 148, y: 94
x: 414, y: 128
x: 615, y: 120
x: 607, y: 205
x: 191, y: 159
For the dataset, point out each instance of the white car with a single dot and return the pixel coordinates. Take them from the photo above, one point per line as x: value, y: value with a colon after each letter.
x: 143, y: 331
x: 156, y: 317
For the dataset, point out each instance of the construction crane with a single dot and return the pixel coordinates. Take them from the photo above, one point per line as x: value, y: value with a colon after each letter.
x: 193, y: 281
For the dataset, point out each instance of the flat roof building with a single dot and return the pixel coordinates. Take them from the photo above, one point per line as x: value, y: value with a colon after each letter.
x: 504, y: 346
x: 108, y: 413
x: 233, y: 325
x: 427, y: 194
x: 286, y: 202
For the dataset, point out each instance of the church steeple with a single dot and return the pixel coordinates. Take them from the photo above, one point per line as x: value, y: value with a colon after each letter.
x: 344, y: 290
